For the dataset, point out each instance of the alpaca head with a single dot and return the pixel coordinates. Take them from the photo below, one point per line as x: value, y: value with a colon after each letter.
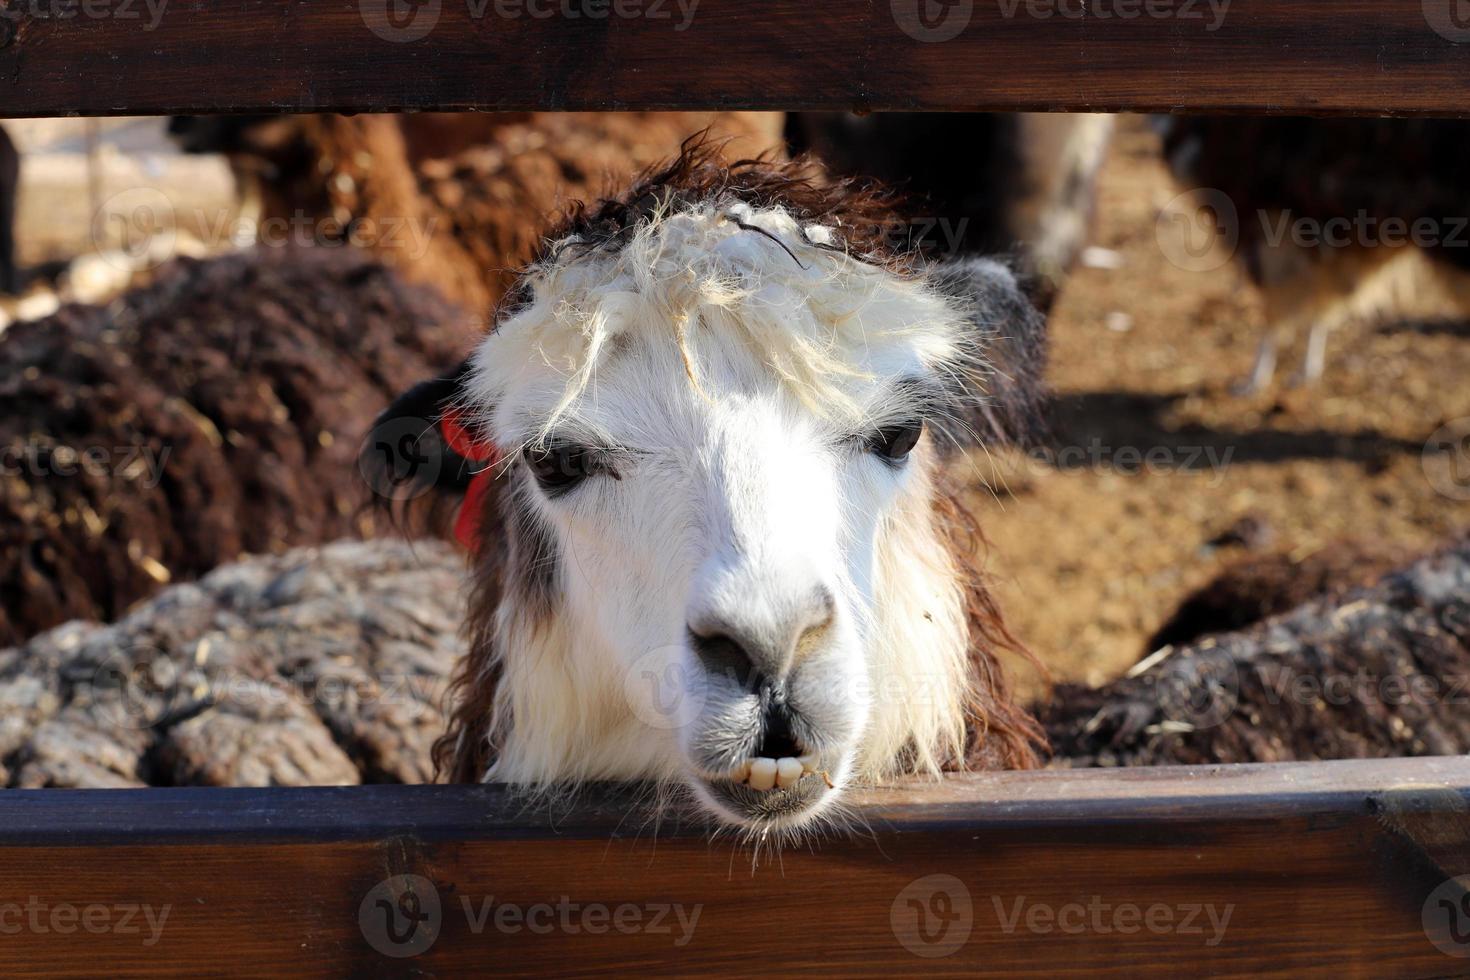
x: 715, y: 551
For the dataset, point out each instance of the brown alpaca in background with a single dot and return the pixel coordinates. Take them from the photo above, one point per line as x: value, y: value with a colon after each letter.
x: 453, y: 200
x: 1337, y: 219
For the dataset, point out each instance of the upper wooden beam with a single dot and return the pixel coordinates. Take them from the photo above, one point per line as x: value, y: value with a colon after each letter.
x: 1292, y: 870
x: 104, y: 57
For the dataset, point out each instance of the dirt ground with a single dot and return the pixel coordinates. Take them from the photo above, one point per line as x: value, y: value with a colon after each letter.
x: 1092, y: 549
x: 1096, y: 538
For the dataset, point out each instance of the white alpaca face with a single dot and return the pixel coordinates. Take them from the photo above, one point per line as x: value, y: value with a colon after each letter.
x: 718, y: 445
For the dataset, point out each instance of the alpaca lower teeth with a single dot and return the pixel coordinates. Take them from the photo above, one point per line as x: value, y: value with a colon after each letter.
x: 765, y: 774
x: 762, y: 774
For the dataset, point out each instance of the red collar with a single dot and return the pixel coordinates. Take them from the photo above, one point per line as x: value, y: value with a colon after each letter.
x: 483, y: 455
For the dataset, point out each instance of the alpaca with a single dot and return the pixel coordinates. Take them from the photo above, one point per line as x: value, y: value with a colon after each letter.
x: 1370, y: 672
x: 450, y: 200
x: 322, y: 666
x: 1257, y: 587
x: 1321, y: 209
x: 1020, y: 182
x: 714, y: 544
x: 216, y: 411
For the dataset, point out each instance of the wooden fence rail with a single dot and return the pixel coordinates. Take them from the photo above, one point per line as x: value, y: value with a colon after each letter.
x: 104, y: 57
x: 1286, y: 869
x: 1275, y: 870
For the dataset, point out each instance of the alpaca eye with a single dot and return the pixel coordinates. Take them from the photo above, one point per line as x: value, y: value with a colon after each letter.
x: 559, y: 468
x: 894, y: 443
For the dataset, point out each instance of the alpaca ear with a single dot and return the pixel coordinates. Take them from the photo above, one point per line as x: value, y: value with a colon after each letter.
x: 1007, y: 401
x: 417, y: 444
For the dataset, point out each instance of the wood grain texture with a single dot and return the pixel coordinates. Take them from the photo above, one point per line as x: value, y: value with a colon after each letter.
x: 169, y: 56
x: 1324, y: 868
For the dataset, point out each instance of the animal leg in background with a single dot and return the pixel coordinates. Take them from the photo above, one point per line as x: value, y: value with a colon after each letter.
x: 9, y: 179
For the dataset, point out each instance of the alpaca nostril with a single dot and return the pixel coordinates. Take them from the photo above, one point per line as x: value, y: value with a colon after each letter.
x: 777, y: 740
x: 724, y: 656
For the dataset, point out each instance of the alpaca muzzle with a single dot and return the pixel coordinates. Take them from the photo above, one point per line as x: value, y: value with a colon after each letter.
x: 760, y: 757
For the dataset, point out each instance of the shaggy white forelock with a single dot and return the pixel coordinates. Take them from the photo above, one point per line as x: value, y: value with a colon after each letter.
x: 826, y: 323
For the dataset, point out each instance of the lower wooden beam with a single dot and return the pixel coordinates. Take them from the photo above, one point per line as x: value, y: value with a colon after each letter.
x: 1279, y: 870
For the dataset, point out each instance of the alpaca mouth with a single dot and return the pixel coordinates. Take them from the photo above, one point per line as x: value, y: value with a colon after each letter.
x: 759, y: 806
x: 779, y: 781
x: 779, y: 760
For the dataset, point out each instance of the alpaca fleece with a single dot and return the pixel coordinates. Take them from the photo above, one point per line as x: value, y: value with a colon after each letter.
x: 1259, y: 586
x: 1380, y: 672
x: 247, y: 380
x: 317, y: 667
x: 1325, y: 169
